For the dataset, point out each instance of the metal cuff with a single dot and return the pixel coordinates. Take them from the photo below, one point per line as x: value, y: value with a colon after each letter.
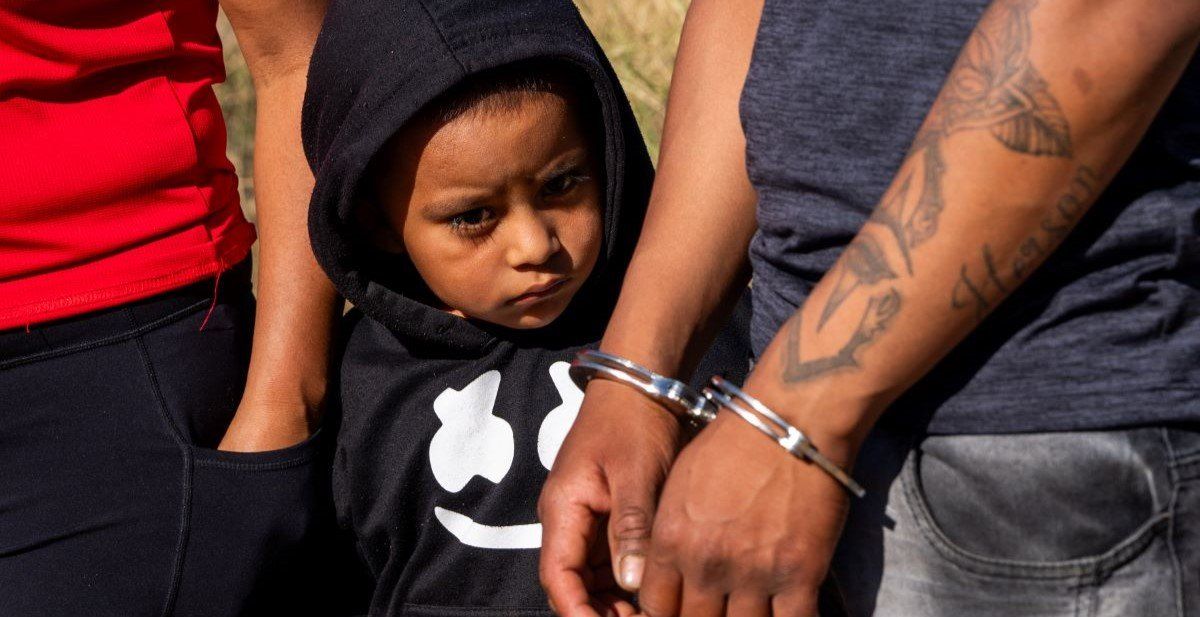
x: 771, y: 424
x: 677, y: 397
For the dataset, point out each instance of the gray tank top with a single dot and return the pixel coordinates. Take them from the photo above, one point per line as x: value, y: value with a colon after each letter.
x: 1105, y: 334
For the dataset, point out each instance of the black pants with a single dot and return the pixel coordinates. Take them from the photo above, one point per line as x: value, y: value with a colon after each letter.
x: 112, y: 498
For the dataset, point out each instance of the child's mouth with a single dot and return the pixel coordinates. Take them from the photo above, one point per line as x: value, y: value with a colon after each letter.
x: 540, y: 292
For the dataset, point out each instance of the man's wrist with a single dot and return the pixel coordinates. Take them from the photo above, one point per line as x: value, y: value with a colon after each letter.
x: 661, y: 352
x: 650, y: 416
x: 837, y: 421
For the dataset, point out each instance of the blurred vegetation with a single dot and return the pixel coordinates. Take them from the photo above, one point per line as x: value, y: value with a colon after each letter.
x: 237, y: 105
x: 639, y: 36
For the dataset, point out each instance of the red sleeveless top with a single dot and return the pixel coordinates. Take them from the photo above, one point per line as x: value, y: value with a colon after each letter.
x: 114, y: 184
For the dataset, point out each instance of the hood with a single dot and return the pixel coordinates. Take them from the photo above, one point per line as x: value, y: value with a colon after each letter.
x: 375, y: 65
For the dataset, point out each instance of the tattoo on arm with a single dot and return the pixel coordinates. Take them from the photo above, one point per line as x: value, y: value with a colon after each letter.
x: 863, y: 264
x: 992, y: 87
x: 880, y: 311
x: 982, y: 291
x: 977, y: 291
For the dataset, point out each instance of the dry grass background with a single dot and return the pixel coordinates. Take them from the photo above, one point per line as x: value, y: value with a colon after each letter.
x: 639, y: 36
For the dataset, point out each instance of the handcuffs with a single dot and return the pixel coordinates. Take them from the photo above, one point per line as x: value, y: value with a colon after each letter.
x: 697, y: 409
x: 680, y: 399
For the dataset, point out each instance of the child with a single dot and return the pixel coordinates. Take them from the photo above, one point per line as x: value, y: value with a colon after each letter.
x: 481, y: 183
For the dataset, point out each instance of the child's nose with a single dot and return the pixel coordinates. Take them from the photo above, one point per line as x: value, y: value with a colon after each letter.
x: 534, y: 241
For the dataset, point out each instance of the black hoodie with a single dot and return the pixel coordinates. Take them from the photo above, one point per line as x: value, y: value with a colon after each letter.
x: 449, y: 425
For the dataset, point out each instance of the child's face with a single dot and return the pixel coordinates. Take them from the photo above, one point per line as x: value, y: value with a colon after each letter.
x: 498, y: 209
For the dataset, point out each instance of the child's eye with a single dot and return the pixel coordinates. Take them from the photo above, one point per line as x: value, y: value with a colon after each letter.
x: 472, y: 221
x: 563, y: 183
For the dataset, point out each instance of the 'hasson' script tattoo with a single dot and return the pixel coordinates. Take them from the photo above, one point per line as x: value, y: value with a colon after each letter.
x: 981, y: 288
x: 992, y: 87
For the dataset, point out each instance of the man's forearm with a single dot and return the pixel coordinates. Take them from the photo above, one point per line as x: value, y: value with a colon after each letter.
x: 690, y: 265
x: 1043, y: 106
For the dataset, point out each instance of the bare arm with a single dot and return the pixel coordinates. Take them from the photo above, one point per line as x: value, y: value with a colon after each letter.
x: 1042, y: 108
x: 689, y: 266
x: 1046, y: 102
x: 297, y: 305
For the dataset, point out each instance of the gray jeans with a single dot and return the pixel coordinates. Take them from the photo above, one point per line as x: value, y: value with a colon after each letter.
x: 1053, y: 524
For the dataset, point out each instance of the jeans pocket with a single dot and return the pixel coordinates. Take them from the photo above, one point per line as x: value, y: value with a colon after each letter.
x: 1055, y: 505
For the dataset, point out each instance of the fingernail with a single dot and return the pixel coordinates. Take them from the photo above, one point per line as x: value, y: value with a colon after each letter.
x: 632, y: 567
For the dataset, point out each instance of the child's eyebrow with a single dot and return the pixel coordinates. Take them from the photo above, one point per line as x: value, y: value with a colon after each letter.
x: 446, y: 208
x: 570, y: 160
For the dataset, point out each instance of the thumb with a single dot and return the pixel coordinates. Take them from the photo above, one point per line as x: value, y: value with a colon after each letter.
x: 630, y: 521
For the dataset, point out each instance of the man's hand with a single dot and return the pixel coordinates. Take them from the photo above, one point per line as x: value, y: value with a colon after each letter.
x: 602, y: 491
x: 597, y: 506
x: 744, y: 527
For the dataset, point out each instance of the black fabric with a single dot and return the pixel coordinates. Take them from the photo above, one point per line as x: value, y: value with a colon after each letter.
x: 112, y: 500
x: 423, y: 441
x: 450, y: 425
x: 1105, y: 334
x: 377, y: 63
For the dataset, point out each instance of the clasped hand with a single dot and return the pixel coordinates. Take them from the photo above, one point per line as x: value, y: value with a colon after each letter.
x: 734, y: 525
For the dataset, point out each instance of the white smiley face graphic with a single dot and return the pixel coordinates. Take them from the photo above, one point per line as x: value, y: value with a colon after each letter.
x: 474, y: 442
